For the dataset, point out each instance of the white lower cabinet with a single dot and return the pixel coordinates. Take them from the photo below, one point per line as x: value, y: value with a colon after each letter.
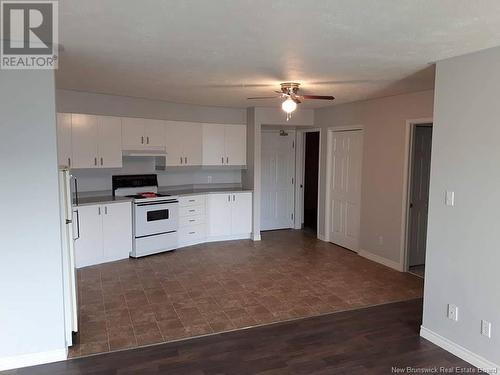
x: 104, y: 233
x: 229, y: 215
x: 192, y: 220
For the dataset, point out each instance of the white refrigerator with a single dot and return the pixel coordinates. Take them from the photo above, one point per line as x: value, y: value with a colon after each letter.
x: 69, y: 234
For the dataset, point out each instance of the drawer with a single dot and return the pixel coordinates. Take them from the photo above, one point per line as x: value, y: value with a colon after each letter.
x: 191, y: 220
x: 192, y: 233
x: 191, y: 211
x: 192, y: 200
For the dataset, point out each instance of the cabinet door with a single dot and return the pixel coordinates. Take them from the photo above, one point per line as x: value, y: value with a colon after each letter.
x: 117, y: 231
x: 84, y: 139
x: 173, y: 143
x: 236, y: 144
x: 213, y: 144
x: 110, y: 142
x: 88, y: 247
x: 132, y: 133
x: 219, y: 214
x: 192, y: 143
x: 241, y: 213
x: 154, y: 131
x: 64, y: 139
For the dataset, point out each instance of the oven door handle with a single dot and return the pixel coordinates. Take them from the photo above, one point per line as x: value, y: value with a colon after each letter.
x: 157, y: 203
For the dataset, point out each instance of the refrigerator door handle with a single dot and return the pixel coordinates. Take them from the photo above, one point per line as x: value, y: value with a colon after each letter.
x: 76, y: 190
x: 77, y: 225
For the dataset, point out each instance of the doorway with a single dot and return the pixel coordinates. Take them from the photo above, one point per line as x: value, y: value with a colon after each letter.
x: 311, y: 171
x: 345, y: 155
x: 277, y: 179
x: 420, y: 168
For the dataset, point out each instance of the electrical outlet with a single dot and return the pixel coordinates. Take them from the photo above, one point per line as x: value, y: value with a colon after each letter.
x: 452, y: 312
x: 486, y: 328
x: 380, y: 240
x: 450, y: 198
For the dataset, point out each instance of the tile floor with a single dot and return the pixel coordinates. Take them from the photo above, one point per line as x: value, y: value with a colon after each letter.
x: 224, y: 286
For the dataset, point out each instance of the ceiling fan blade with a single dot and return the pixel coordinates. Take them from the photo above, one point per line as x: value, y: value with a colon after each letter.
x: 296, y: 100
x: 323, y: 97
x: 264, y: 97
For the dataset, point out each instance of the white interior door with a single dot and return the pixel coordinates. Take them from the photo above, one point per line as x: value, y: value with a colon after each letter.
x: 110, y: 142
x: 277, y: 180
x: 345, y: 185
x: 419, y: 193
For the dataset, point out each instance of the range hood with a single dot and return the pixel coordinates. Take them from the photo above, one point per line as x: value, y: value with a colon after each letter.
x: 142, y: 153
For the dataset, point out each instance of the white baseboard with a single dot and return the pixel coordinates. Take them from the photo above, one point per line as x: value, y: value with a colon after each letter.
x: 461, y: 352
x: 228, y: 238
x: 256, y: 237
x: 322, y: 237
x: 24, y: 360
x: 381, y: 260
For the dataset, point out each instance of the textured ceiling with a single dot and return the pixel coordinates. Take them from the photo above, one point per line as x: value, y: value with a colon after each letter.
x: 218, y: 52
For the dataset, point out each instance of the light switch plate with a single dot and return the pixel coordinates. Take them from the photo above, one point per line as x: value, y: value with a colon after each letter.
x: 450, y: 198
x: 452, y: 312
x: 486, y: 328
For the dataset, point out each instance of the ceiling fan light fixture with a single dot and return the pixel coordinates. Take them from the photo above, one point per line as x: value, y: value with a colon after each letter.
x: 289, y: 105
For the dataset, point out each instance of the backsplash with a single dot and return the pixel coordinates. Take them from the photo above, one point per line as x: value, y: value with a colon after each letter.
x: 100, y: 179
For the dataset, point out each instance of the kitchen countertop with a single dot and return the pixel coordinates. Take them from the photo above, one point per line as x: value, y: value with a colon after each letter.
x: 103, y: 199
x: 197, y: 191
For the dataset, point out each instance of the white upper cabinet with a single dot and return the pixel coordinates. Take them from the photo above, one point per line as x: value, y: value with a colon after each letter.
x: 192, y: 143
x: 94, y: 141
x: 154, y: 133
x: 64, y: 150
x: 84, y: 140
x: 235, y: 144
x: 224, y: 144
x: 110, y: 142
x: 132, y: 133
x: 183, y: 143
x: 213, y: 144
x: 142, y: 134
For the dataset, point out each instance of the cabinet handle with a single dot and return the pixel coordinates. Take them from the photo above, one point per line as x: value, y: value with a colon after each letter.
x: 142, y: 139
x: 102, y: 161
x: 99, y: 210
x: 223, y: 160
x: 95, y: 161
x: 192, y: 220
x: 181, y: 159
x: 69, y: 162
x: 192, y: 232
x: 227, y: 159
x: 229, y: 198
x: 147, y: 140
x: 234, y: 197
x: 192, y: 210
x: 185, y: 160
x: 192, y: 200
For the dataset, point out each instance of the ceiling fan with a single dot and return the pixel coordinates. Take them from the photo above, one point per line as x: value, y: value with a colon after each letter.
x: 289, y: 92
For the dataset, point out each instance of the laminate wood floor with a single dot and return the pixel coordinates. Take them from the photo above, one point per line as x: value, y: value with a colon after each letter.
x: 217, y: 287
x: 364, y: 341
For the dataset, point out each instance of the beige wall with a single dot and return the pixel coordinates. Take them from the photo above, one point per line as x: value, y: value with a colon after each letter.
x: 384, y: 145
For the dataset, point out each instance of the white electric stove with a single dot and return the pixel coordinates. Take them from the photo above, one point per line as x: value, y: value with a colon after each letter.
x: 155, y: 216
